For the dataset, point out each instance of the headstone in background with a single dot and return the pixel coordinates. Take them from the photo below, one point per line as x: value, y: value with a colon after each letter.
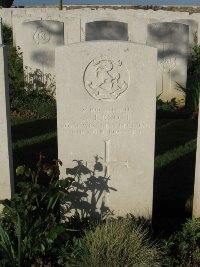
x: 98, y: 26
x: 172, y: 42
x: 106, y: 30
x: 71, y: 29
x: 38, y: 41
x: 1, y: 32
x: 6, y: 161
x: 193, y: 30
x: 106, y: 125
x: 17, y: 21
x: 140, y: 29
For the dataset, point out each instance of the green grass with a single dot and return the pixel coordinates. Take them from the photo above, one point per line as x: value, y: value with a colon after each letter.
x: 175, y: 151
x: 30, y: 137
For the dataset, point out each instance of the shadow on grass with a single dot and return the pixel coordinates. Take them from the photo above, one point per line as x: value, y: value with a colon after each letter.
x: 173, y: 133
x: 28, y: 155
x: 28, y: 129
x: 173, y: 185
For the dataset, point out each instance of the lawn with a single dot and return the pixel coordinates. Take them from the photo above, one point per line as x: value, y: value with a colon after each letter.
x: 175, y: 151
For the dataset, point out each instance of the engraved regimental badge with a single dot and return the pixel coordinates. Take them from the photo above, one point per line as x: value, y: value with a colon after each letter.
x: 106, y: 78
x: 167, y: 64
x: 41, y: 36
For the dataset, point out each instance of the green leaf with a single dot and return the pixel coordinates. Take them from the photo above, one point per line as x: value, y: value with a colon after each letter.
x: 6, y: 246
x: 27, y: 172
x: 42, y: 247
x: 65, y: 183
x: 20, y: 170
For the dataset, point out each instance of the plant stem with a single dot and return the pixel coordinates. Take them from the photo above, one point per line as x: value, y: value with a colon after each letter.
x: 60, y: 4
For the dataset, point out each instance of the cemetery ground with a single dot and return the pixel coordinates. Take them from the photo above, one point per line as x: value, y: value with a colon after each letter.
x: 173, y: 178
x: 31, y: 232
x: 174, y: 161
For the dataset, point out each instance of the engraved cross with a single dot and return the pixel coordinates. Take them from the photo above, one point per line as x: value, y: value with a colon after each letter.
x: 109, y: 163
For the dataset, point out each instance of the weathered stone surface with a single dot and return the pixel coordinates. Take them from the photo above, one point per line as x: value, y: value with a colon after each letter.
x: 172, y: 42
x: 1, y: 32
x: 106, y: 30
x: 71, y: 29
x: 122, y: 28
x: 17, y: 21
x: 193, y: 30
x: 6, y: 166
x: 103, y: 27
x: 106, y: 118
x: 38, y: 40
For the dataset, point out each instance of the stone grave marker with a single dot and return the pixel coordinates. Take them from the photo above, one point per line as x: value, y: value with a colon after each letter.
x: 1, y: 32
x: 106, y: 30
x: 106, y: 125
x: 38, y: 42
x: 171, y: 40
x: 6, y: 165
x: 193, y: 30
x: 17, y: 21
x: 102, y: 27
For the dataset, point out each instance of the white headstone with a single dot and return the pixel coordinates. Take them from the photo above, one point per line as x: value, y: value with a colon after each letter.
x: 172, y: 41
x: 193, y: 30
x: 111, y: 27
x: 71, y: 29
x: 38, y: 42
x: 17, y: 21
x: 6, y: 166
x: 106, y: 117
x: 1, y: 32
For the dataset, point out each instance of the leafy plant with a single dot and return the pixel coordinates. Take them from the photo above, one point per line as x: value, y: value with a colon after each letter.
x: 166, y: 106
x: 15, y: 64
x: 34, y: 103
x: 7, y: 35
x: 194, y: 58
x: 31, y: 225
x: 6, y: 248
x: 117, y: 243
x: 192, y: 93
x: 6, y: 3
x: 192, y: 89
x: 184, y: 246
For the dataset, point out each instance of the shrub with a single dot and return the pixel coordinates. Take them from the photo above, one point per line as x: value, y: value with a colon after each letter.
x: 6, y: 3
x: 15, y: 64
x: 192, y: 92
x: 7, y: 35
x: 117, y: 243
x: 166, y: 106
x: 184, y: 246
x: 34, y: 103
x: 192, y: 89
x: 30, y: 229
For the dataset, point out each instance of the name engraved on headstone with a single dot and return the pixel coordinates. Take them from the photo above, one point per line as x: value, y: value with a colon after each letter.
x: 106, y: 78
x: 106, y: 121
